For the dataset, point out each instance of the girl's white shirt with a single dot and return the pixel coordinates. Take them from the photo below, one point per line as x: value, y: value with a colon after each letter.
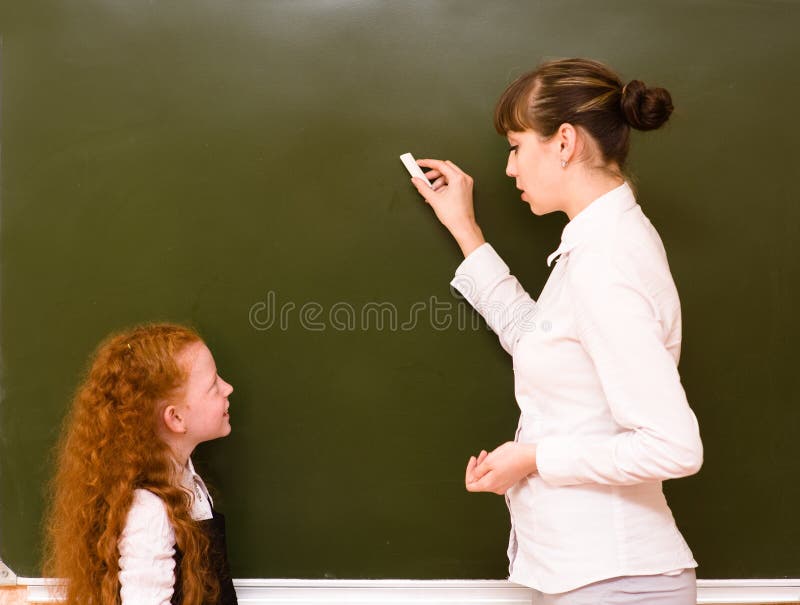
x: 596, y: 380
x: 147, y: 543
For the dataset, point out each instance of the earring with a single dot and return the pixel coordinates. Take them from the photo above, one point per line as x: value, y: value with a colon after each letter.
x: 563, y: 163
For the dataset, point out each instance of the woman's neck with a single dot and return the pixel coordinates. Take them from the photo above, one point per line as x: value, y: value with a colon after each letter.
x: 583, y: 191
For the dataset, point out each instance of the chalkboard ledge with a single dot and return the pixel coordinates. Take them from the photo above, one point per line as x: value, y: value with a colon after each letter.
x: 428, y: 592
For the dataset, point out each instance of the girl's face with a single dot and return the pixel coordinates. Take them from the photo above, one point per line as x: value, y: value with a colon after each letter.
x: 535, y: 165
x: 205, y: 408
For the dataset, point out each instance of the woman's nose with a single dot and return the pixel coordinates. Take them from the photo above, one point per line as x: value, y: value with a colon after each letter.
x: 511, y: 166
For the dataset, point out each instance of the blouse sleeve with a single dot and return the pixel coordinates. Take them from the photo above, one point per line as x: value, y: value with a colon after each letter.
x: 146, y: 549
x: 619, y: 325
x: 486, y: 283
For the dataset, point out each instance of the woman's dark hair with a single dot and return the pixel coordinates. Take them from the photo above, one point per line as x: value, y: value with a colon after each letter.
x: 583, y: 93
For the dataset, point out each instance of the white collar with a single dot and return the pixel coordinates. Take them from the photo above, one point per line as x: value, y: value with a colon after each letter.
x: 195, y: 484
x: 184, y: 469
x: 597, y: 213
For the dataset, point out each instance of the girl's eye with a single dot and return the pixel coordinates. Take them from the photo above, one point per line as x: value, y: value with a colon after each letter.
x: 513, y: 148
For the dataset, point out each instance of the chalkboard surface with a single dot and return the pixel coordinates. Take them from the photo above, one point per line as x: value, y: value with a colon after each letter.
x: 234, y: 165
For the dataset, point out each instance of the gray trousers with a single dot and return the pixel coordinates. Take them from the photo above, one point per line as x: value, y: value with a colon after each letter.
x: 629, y: 590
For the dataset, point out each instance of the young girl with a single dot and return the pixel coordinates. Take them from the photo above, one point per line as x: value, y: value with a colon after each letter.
x: 130, y: 521
x: 604, y: 416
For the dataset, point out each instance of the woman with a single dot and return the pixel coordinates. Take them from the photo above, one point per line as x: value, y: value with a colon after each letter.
x: 604, y: 418
x: 131, y: 522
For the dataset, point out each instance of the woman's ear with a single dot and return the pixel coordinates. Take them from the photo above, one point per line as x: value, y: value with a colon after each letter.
x: 567, y: 138
x: 173, y: 420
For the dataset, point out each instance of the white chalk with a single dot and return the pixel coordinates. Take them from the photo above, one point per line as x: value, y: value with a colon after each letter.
x: 413, y: 168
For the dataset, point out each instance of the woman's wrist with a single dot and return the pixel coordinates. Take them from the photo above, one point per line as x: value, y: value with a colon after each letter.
x: 469, y: 238
x: 529, y: 453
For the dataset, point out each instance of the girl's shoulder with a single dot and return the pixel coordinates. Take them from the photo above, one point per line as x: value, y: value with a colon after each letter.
x: 147, y: 499
x: 148, y: 513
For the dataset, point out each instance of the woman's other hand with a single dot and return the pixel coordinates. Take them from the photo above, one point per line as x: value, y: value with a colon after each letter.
x: 497, y: 471
x: 451, y: 200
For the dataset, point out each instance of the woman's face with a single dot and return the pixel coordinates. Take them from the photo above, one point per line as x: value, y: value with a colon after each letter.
x: 205, y: 407
x: 535, y: 165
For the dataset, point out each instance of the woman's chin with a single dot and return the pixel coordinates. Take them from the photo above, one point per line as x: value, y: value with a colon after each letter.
x: 539, y: 210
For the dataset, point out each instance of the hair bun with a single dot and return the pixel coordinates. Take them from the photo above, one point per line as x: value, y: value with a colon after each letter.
x: 645, y: 108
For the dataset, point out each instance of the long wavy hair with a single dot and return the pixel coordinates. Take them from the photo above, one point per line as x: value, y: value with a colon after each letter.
x: 109, y: 447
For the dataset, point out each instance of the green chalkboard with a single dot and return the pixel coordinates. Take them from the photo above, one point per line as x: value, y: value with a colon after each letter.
x: 234, y: 165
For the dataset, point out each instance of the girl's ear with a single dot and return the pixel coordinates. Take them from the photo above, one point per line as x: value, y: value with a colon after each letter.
x: 173, y: 420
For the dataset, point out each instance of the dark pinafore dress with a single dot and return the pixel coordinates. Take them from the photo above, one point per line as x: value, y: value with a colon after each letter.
x: 215, y: 530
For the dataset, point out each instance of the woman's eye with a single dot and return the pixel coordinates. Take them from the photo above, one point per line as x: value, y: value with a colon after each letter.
x: 513, y: 148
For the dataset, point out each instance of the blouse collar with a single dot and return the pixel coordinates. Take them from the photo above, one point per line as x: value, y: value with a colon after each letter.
x: 600, y: 212
x: 195, y: 484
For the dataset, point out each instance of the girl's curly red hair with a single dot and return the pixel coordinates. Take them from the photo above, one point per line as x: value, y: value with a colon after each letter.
x: 108, y: 448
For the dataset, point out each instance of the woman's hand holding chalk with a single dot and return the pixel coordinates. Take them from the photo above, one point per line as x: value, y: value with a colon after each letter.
x: 450, y: 196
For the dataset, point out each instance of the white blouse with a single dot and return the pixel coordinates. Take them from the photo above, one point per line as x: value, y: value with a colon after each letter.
x: 596, y: 380
x: 147, y: 543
